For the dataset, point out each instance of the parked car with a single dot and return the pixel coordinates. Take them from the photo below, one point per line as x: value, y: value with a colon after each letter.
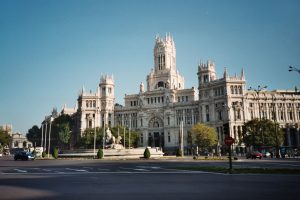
x: 267, y: 155
x: 23, y: 155
x: 254, y: 155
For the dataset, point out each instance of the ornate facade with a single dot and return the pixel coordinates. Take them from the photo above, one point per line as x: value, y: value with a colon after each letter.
x: 157, y: 111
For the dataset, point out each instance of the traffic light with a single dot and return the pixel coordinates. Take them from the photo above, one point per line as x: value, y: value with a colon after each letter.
x: 226, y: 129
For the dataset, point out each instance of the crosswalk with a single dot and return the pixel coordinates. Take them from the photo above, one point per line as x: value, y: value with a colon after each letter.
x: 84, y: 170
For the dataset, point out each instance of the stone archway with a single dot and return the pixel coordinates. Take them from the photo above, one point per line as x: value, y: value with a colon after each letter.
x: 156, y: 132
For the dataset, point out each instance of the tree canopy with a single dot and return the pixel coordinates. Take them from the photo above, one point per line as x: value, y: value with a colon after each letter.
x: 260, y: 133
x: 4, y: 138
x: 64, y: 133
x: 34, y: 135
x: 203, y: 136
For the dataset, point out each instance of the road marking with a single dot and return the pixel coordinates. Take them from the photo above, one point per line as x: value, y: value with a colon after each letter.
x: 145, y: 170
x: 149, y: 167
x: 20, y: 171
x: 77, y: 170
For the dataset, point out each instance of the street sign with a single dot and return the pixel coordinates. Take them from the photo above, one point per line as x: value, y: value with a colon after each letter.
x: 229, y: 141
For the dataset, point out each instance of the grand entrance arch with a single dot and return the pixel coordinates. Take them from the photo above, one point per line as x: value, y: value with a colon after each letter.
x: 156, y: 132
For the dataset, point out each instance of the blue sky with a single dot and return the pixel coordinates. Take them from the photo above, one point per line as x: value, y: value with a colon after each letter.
x: 50, y: 49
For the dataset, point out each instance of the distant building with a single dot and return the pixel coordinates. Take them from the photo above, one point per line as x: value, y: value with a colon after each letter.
x: 7, y: 127
x: 19, y: 140
x: 157, y: 111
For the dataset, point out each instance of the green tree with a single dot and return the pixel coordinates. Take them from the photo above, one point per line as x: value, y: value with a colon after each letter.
x: 55, y: 153
x: 34, y: 135
x: 58, y: 126
x: 179, y: 153
x: 147, y: 154
x: 64, y: 133
x: 87, y: 139
x: 259, y: 133
x: 134, y: 136
x: 100, y: 154
x: 204, y: 137
x: 4, y: 138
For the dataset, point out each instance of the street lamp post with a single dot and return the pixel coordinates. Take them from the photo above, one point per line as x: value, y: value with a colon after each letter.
x: 257, y: 91
x: 275, y: 122
x: 95, y: 135
x: 49, y: 136
x: 42, y: 135
x: 45, y: 142
x: 103, y: 138
x: 129, y: 139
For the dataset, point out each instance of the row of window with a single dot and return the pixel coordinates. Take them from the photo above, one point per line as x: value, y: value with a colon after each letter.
x: 281, y: 115
x: 161, y: 61
x: 272, y: 105
x: 219, y: 91
x: 236, y: 89
x: 109, y: 90
x: 183, y: 99
x: 188, y: 116
x: 90, y: 104
x: 154, y: 100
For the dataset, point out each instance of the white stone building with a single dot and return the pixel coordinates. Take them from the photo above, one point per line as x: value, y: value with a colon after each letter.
x: 157, y: 111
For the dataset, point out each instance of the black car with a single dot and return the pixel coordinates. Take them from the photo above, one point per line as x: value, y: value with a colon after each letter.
x: 23, y: 155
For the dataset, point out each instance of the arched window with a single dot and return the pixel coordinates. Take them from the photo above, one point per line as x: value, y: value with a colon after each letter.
x: 160, y: 84
x: 231, y: 88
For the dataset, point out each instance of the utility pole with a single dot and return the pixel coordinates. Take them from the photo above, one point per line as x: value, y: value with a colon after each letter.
x: 95, y: 136
x: 49, y: 137
x: 42, y: 135
x: 181, y: 138
x: 257, y: 91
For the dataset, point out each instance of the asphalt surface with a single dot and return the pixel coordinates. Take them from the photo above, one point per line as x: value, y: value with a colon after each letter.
x: 142, y: 179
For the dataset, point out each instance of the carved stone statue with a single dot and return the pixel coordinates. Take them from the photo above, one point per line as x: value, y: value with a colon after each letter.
x: 142, y: 87
x: 112, y: 142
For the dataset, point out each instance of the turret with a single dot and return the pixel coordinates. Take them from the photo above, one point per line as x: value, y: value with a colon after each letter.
x: 107, y: 99
x: 206, y: 72
x: 164, y: 54
x: 165, y: 74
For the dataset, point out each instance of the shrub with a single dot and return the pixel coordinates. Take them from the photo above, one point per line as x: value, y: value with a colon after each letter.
x: 55, y: 153
x: 100, y: 154
x: 44, y: 154
x: 147, y: 154
x: 179, y: 153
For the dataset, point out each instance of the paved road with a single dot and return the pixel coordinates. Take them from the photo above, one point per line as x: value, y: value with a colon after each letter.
x: 140, y: 179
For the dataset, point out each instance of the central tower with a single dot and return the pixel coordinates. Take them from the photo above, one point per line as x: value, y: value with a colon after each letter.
x: 164, y: 74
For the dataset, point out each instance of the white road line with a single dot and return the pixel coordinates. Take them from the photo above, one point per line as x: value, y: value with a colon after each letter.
x: 149, y: 167
x: 145, y: 170
x: 20, y: 171
x: 76, y: 170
